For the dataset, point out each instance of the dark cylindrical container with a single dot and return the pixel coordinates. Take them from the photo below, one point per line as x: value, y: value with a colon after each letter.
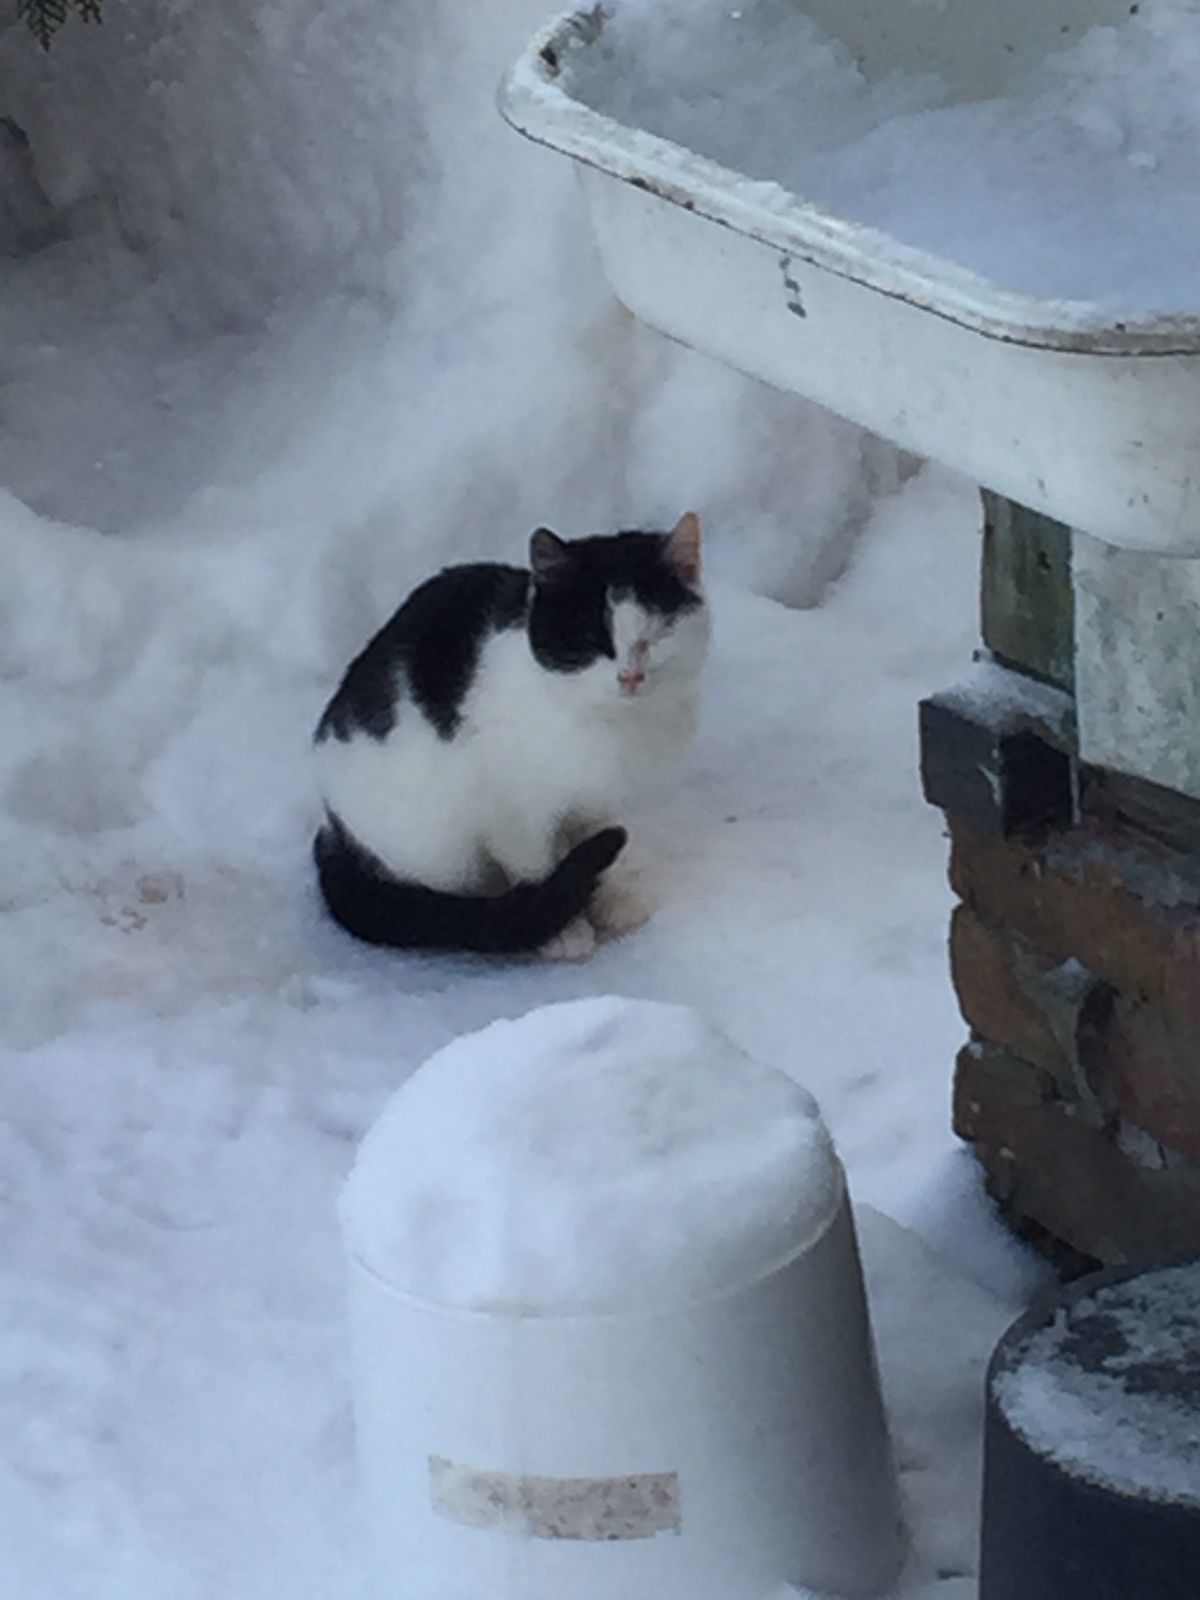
x: 1092, y: 1444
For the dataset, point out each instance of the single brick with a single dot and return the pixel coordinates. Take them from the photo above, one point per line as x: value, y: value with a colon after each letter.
x: 992, y: 998
x: 1145, y: 1064
x: 1027, y: 600
x: 1034, y: 1006
x: 977, y: 763
x: 1170, y: 818
x: 991, y: 1068
x: 1095, y: 893
x: 1049, y: 1170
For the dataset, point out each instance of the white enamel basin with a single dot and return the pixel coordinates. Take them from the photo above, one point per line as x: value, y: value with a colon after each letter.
x: 1090, y: 420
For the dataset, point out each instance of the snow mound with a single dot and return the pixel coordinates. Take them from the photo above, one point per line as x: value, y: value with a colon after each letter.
x: 593, y: 1156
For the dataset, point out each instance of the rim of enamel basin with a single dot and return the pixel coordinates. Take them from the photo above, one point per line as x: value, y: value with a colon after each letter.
x: 533, y: 100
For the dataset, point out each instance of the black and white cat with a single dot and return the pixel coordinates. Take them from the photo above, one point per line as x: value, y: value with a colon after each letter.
x: 479, y: 752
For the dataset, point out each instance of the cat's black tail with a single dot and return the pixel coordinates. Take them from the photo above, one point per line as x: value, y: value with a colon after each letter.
x: 372, y: 905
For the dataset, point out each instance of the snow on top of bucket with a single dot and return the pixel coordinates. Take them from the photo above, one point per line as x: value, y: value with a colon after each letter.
x: 596, y: 1156
x: 1110, y: 1389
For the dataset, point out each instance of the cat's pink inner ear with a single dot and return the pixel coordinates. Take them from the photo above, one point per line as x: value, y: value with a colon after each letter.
x: 548, y: 554
x: 683, y: 548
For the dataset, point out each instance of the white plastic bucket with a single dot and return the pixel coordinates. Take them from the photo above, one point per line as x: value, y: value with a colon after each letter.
x: 711, y: 1451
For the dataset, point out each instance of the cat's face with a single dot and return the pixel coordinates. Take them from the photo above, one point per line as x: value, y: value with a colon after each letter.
x: 623, y: 613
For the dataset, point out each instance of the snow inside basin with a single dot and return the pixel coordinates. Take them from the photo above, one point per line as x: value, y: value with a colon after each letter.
x: 974, y: 229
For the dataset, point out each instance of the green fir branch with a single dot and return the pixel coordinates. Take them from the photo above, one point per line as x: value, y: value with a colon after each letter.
x: 45, y: 17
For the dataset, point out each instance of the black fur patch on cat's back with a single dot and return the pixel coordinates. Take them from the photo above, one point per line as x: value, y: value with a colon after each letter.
x: 428, y: 652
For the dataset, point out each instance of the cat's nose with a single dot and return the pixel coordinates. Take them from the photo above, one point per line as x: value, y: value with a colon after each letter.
x: 631, y: 680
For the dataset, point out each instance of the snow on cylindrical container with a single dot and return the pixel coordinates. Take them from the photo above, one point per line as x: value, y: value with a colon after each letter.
x: 1092, y: 1443
x: 609, y: 1332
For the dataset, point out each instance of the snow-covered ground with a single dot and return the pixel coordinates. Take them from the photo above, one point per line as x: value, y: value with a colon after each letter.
x: 306, y: 321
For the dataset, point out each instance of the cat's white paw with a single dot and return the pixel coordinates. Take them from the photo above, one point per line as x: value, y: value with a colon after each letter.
x: 617, y: 907
x: 576, y: 942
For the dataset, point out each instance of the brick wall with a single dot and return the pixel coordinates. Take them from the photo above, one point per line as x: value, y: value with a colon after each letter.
x: 1075, y: 946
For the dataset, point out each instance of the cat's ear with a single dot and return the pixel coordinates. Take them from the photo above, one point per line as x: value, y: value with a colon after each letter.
x: 682, y: 550
x: 549, y: 556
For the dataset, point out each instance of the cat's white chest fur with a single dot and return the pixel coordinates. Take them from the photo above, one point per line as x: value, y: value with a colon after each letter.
x: 539, y: 758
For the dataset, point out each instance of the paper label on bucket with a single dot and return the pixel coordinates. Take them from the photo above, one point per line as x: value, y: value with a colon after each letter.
x: 634, y: 1507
